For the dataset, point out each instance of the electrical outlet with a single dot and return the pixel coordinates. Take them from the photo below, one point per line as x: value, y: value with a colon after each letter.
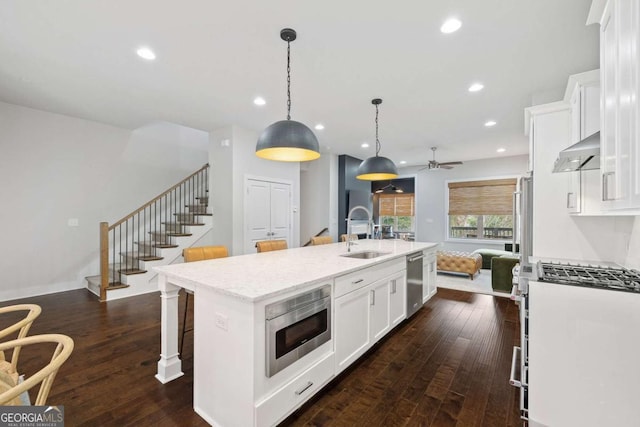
x: 222, y: 321
x: 73, y: 222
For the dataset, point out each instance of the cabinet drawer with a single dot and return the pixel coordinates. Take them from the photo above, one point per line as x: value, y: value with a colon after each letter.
x: 352, y: 281
x: 288, y: 398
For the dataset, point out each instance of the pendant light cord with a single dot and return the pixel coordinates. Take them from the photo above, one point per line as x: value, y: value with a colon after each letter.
x: 377, y: 140
x: 288, y: 80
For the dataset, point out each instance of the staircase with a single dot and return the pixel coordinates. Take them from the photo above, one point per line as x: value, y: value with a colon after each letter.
x: 154, y: 234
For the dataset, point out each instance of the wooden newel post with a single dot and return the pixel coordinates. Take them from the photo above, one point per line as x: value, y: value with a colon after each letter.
x: 104, y: 260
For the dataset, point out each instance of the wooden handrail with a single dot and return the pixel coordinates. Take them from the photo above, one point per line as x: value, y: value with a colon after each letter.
x: 152, y: 201
x: 321, y: 232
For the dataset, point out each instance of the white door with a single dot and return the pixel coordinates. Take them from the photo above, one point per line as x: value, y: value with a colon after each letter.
x: 267, y: 208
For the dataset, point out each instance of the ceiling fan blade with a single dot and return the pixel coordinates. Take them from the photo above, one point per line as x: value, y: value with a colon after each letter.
x: 445, y: 166
x: 450, y: 163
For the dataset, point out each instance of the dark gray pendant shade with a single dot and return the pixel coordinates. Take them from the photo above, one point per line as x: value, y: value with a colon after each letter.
x: 288, y: 141
x: 376, y: 169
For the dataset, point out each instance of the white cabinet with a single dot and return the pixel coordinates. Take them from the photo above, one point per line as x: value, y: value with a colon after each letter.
x: 269, y: 411
x: 352, y: 327
x: 398, y: 298
x: 368, y: 304
x: 619, y: 58
x: 583, y: 95
x: 429, y: 275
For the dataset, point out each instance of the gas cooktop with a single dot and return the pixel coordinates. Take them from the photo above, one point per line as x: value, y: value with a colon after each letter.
x: 618, y: 279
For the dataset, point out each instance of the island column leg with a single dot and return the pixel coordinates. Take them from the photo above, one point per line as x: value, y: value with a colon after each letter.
x: 169, y: 365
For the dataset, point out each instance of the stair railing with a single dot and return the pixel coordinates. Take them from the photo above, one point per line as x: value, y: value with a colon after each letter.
x: 124, y: 243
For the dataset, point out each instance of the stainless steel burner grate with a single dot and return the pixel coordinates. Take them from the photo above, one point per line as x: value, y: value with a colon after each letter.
x: 620, y: 279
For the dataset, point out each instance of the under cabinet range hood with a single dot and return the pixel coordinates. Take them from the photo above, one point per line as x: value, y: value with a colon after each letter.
x: 582, y: 155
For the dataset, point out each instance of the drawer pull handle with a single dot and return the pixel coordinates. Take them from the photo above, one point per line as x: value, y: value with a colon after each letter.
x: 303, y: 389
x: 358, y: 281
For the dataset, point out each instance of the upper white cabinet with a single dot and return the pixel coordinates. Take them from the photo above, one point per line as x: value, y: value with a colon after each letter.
x: 619, y: 59
x: 583, y: 96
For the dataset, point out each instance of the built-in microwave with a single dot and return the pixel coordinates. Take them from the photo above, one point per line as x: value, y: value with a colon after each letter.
x: 296, y: 326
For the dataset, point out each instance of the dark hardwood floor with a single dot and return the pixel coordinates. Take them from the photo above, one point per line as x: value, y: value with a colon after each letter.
x: 448, y: 365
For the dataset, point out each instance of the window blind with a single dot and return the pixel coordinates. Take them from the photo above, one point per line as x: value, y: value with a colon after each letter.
x: 396, y: 205
x: 487, y: 197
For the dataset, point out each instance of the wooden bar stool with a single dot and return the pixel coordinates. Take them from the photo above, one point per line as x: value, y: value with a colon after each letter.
x: 198, y: 253
x: 271, y: 245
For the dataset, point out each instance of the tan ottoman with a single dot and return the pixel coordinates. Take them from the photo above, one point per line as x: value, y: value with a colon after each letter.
x: 459, y: 262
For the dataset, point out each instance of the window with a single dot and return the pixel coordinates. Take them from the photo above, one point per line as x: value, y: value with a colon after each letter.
x: 398, y: 211
x: 481, y: 209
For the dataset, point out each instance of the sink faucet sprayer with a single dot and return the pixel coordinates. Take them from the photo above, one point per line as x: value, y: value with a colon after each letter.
x: 369, y: 224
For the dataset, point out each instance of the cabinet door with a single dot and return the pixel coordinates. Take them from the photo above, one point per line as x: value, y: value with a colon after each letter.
x: 433, y: 274
x: 352, y: 326
x: 398, y: 298
x: 573, y: 178
x: 429, y: 276
x: 609, y: 59
x: 379, y: 293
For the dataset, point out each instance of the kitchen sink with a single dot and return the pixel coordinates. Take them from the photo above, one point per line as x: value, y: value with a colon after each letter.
x: 365, y: 254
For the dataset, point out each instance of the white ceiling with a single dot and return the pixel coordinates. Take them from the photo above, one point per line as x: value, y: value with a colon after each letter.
x: 77, y: 57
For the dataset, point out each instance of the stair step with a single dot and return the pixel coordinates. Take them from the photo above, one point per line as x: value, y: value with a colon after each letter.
x: 152, y: 245
x: 161, y: 235
x: 141, y: 256
x: 130, y: 271
x: 184, y: 217
x: 197, y: 208
x: 116, y: 285
x: 180, y: 224
x: 203, y: 199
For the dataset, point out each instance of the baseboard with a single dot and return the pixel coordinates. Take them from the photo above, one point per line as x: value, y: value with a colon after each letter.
x: 34, y: 291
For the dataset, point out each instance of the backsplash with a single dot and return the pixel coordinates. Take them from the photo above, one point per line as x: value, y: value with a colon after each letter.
x: 632, y: 256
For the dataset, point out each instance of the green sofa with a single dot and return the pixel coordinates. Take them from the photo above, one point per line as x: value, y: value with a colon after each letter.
x: 501, y: 272
x: 488, y: 254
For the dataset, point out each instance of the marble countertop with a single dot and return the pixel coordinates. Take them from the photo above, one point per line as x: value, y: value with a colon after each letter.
x: 255, y: 277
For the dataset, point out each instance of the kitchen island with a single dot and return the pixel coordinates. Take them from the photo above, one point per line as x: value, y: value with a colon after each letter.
x: 232, y: 385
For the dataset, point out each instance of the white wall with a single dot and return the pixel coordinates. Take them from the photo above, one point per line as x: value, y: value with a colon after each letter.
x: 319, y: 197
x: 54, y: 168
x: 232, y: 164
x: 431, y: 196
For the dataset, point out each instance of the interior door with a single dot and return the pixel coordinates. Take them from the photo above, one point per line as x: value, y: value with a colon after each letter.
x: 267, y: 216
x: 280, y: 220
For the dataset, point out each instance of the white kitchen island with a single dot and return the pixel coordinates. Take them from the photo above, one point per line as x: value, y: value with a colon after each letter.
x: 231, y: 386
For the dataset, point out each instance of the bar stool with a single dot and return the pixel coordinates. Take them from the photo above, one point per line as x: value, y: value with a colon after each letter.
x: 271, y: 245
x: 198, y: 253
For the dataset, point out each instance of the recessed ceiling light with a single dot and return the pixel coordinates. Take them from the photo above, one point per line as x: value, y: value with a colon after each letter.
x: 319, y: 126
x: 403, y: 162
x: 364, y: 145
x: 501, y: 150
x: 259, y: 100
x: 146, y: 53
x: 476, y: 87
x: 451, y: 25
x: 490, y: 123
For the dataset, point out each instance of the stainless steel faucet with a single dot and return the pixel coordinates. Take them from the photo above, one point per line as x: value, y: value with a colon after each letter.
x: 369, y: 222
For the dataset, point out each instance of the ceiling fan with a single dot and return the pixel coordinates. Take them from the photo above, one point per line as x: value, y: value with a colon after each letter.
x: 433, y: 164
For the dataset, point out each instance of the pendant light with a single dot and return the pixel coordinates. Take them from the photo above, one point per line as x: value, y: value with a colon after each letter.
x: 377, y: 168
x: 288, y: 140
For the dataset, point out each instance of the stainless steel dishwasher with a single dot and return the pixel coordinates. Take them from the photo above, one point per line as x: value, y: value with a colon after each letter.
x: 414, y: 282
